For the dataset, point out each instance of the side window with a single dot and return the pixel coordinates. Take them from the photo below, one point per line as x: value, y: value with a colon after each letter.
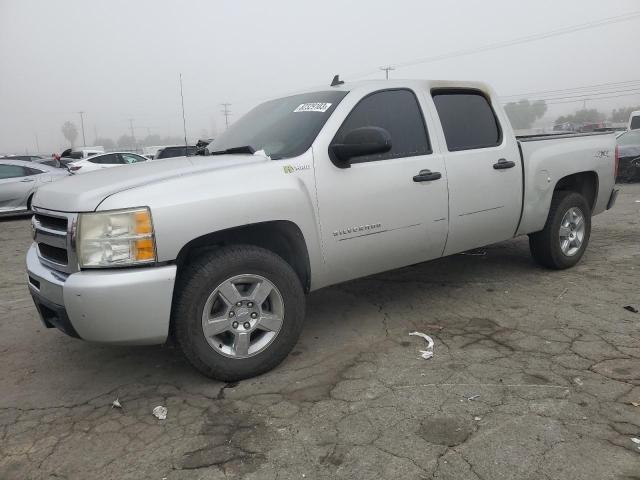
x: 398, y: 112
x: 635, y: 123
x: 11, y: 171
x: 32, y: 171
x: 105, y: 159
x: 131, y: 158
x: 467, y: 119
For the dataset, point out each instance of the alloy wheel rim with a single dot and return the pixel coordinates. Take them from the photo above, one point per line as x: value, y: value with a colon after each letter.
x: 242, y: 316
x: 572, y: 231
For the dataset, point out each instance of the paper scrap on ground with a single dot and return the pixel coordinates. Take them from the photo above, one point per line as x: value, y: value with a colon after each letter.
x: 428, y: 353
x: 160, y: 412
x: 116, y: 403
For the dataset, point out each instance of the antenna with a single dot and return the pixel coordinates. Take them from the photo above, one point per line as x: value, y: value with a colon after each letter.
x: 184, y: 121
x: 336, y: 81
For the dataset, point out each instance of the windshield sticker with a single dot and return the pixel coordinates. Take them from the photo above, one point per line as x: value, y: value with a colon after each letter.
x: 312, y: 107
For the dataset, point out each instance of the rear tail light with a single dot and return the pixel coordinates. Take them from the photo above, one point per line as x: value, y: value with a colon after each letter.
x: 616, y: 163
x: 74, y: 168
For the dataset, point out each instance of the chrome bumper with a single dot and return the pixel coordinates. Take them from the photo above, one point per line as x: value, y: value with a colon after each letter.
x: 120, y: 306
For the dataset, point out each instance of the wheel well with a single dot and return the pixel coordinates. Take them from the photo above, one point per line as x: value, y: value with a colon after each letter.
x: 282, y: 237
x: 584, y: 183
x: 29, y: 201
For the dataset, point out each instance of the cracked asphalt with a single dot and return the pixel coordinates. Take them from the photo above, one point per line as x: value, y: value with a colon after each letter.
x: 536, y: 375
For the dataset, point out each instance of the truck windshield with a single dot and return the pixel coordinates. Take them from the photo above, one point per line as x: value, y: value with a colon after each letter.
x: 282, y: 128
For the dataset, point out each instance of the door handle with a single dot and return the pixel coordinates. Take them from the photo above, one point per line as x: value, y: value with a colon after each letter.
x: 426, y: 176
x: 25, y: 180
x: 502, y: 164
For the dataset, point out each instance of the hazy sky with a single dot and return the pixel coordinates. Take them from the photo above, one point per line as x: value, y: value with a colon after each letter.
x: 120, y: 59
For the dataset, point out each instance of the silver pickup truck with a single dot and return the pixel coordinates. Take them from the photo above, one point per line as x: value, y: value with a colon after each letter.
x: 309, y: 190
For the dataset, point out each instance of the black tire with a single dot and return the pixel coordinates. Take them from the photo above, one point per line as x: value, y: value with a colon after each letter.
x: 197, y: 282
x: 545, y: 244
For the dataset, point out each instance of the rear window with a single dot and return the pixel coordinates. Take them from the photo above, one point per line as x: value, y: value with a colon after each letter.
x: 467, y: 119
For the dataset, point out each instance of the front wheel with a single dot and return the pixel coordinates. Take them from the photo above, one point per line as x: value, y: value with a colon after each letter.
x: 566, y: 233
x: 239, y: 311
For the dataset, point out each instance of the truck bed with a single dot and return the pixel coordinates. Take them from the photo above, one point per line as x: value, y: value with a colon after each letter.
x: 553, y: 136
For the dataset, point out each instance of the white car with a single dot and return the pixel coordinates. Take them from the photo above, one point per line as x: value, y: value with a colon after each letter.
x: 19, y: 180
x: 105, y: 160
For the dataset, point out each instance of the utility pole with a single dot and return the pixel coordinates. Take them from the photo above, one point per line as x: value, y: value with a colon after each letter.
x: 386, y: 70
x: 584, y: 104
x: 84, y: 141
x: 226, y: 112
x: 184, y: 119
x: 95, y: 133
x: 37, y: 143
x: 133, y: 137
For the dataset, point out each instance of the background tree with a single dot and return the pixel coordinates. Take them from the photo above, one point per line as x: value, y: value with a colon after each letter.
x: 70, y: 132
x: 582, y: 116
x: 105, y: 142
x: 522, y: 114
x: 126, y: 141
x: 151, y: 140
x: 623, y: 114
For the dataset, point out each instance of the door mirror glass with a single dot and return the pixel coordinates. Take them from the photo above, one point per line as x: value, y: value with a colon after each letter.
x: 359, y: 142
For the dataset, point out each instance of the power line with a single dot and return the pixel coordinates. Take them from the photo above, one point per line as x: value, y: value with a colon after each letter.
x: 582, y: 95
x: 572, y: 90
x: 226, y: 112
x: 516, y: 41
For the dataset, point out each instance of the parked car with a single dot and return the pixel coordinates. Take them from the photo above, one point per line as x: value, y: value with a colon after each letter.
x: 302, y: 192
x: 176, y: 151
x: 629, y: 157
x: 634, y: 120
x: 104, y: 160
x: 26, y: 158
x: 85, y: 152
x: 19, y: 180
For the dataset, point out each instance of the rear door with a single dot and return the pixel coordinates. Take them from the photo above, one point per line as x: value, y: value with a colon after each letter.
x: 374, y: 216
x: 483, y: 168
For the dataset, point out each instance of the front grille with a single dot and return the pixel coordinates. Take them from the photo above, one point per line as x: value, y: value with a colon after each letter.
x: 53, y: 254
x: 52, y: 223
x: 53, y: 233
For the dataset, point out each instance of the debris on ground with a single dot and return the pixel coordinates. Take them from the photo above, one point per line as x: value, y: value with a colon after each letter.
x: 559, y: 297
x: 578, y: 381
x: 631, y: 308
x: 477, y: 419
x: 636, y: 441
x: 116, y: 403
x: 635, y: 404
x: 475, y: 253
x: 472, y: 397
x: 428, y: 353
x: 160, y: 412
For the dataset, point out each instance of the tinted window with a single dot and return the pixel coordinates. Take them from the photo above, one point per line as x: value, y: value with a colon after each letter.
x: 629, y: 138
x: 11, y: 171
x: 285, y: 127
x: 170, y: 152
x: 467, y: 119
x: 131, y: 158
x: 31, y: 171
x: 635, y: 123
x: 398, y: 112
x: 108, y: 159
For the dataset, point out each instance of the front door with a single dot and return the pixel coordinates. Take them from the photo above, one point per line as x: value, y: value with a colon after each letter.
x: 15, y: 186
x: 374, y: 216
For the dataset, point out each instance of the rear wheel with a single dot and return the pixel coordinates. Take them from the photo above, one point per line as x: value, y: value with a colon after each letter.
x: 566, y: 233
x: 238, y: 313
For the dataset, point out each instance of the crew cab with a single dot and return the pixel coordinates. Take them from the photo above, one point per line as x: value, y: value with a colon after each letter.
x: 305, y: 191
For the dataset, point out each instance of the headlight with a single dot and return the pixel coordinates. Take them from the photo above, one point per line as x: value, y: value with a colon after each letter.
x: 116, y: 238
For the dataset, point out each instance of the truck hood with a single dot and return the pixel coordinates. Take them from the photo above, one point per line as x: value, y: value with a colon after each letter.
x: 83, y: 193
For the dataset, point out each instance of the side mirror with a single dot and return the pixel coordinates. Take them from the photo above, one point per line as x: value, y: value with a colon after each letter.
x: 359, y: 142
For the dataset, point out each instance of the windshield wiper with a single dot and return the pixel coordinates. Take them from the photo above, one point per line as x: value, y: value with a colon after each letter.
x: 230, y: 151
